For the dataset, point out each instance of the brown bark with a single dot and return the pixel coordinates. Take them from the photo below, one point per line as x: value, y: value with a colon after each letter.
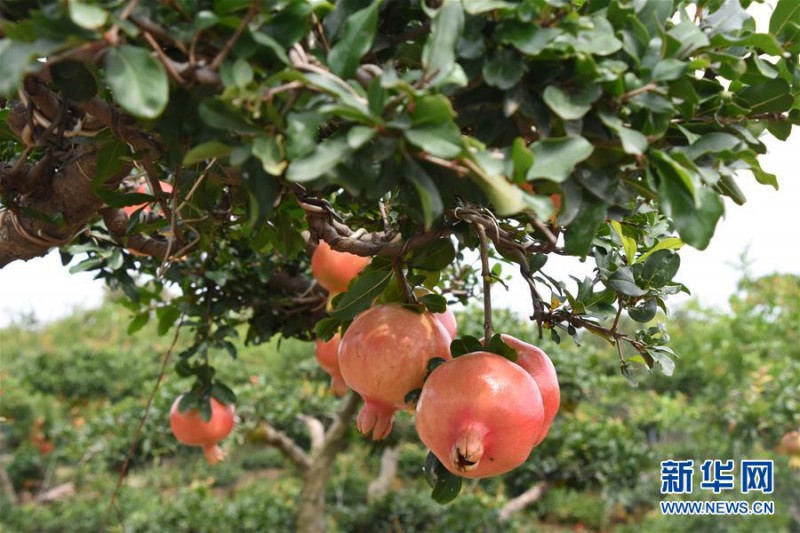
x: 380, y: 486
x: 530, y: 496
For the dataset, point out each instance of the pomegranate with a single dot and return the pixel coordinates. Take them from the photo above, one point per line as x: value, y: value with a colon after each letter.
x: 384, y: 355
x: 145, y: 189
x: 327, y: 354
x: 335, y: 270
x: 448, y: 320
x: 541, y: 368
x: 190, y: 428
x: 480, y: 414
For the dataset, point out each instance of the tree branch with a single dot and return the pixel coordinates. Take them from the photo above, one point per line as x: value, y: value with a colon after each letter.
x: 532, y: 495
x: 286, y: 446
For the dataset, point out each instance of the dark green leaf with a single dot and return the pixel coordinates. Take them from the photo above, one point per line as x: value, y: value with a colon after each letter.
x: 328, y: 154
x: 206, y: 151
x: 446, y: 486
x: 496, y: 345
x: 435, y: 303
x: 582, y: 229
x: 355, y: 40
x: 622, y: 281
x: 138, y: 322
x: 223, y: 393
x: 556, y: 157
x: 571, y: 106
x: 464, y: 345
x: 663, y: 359
x: 434, y: 256
x: 223, y: 116
x: 166, y: 318
x: 785, y: 12
x: 771, y: 96
x: 327, y: 327
x: 660, y: 268
x: 366, y: 287
x: 86, y: 15
x: 503, y: 69
x: 695, y: 221
x: 645, y: 311
x: 431, y: 201
x: 137, y: 80
x: 111, y: 158
x: 439, y: 53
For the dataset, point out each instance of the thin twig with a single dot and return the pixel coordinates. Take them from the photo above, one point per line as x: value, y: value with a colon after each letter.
x: 223, y: 53
x: 488, y: 329
x: 140, y: 426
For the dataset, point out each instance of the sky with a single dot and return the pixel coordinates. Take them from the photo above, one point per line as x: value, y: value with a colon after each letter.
x: 766, y: 228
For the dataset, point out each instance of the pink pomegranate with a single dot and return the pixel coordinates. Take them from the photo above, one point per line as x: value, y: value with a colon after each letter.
x: 480, y: 414
x: 335, y: 270
x: 384, y: 355
x: 448, y: 320
x: 541, y: 368
x: 190, y: 428
x: 327, y: 354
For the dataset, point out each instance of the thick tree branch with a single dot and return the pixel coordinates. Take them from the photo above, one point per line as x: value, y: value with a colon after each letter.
x: 286, y: 446
x: 530, y: 496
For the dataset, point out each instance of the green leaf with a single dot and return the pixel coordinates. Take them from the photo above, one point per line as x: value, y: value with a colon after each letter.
x: 464, y: 345
x: 138, y: 322
x: 207, y: 150
x: 645, y: 311
x: 660, y: 268
x: 433, y: 128
x: 582, y: 229
x: 87, y: 16
x: 571, y: 106
x: 432, y: 206
x: 503, y: 69
x: 357, y: 35
x: 684, y: 39
x: 137, y: 80
x: 223, y: 393
x: 272, y: 45
x: 476, y: 7
x: 669, y: 70
x: 327, y: 155
x: 111, y: 159
x: 771, y: 96
x: 496, y: 345
x: 670, y: 243
x: 672, y: 170
x: 166, y: 318
x: 633, y: 142
x: 628, y: 244
x: 785, y: 12
x: 529, y: 39
x: 694, y: 218
x: 363, y: 290
x: 358, y: 136
x: 522, y: 159
x: 74, y: 80
x: 242, y: 73
x: 434, y: 256
x: 506, y: 197
x: 663, y: 359
x: 555, y: 158
x: 446, y: 486
x: 622, y: 281
x: 268, y: 151
x: 439, y: 53
x: 223, y: 116
x: 435, y: 303
x: 327, y: 327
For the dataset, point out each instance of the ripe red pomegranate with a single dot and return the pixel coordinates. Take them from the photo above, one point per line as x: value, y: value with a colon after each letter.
x: 327, y: 354
x: 541, y: 368
x: 480, y: 414
x: 384, y: 355
x: 190, y: 428
x: 448, y: 320
x: 335, y: 270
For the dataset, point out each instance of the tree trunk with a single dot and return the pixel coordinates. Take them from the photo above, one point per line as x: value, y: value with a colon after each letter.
x: 311, y: 515
x: 380, y: 486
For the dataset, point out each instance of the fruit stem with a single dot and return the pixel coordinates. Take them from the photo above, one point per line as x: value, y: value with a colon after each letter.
x: 488, y: 328
x: 467, y: 450
x: 397, y: 266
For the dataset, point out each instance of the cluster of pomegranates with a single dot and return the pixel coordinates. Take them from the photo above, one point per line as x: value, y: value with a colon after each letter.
x: 481, y: 414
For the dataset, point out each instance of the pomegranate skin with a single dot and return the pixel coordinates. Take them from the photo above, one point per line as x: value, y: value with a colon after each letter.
x: 145, y: 189
x: 480, y: 414
x: 327, y: 354
x: 190, y: 428
x: 536, y: 362
x: 335, y: 270
x: 448, y: 320
x: 384, y: 355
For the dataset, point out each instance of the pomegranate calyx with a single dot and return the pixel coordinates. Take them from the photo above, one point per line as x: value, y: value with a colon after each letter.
x: 467, y: 450
x: 213, y: 454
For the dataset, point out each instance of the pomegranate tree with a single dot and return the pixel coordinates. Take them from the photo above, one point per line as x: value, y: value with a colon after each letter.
x: 190, y: 428
x: 327, y: 354
x: 480, y: 414
x: 384, y: 355
x: 335, y: 270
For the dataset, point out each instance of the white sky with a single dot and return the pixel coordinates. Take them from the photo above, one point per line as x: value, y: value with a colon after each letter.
x: 766, y: 226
